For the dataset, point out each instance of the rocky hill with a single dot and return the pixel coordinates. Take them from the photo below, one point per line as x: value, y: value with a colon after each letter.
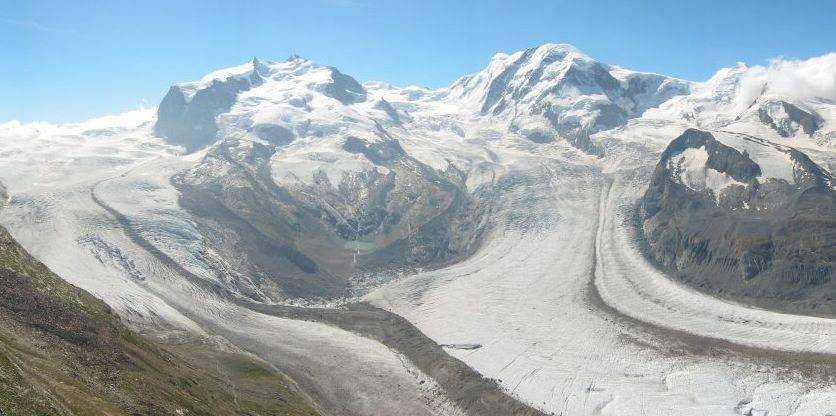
x: 740, y: 217
x: 63, y: 352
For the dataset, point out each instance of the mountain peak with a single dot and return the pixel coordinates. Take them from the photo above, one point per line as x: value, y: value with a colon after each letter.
x: 559, y: 47
x: 563, y: 49
x: 298, y: 60
x: 538, y: 91
x: 539, y: 56
x: 532, y: 71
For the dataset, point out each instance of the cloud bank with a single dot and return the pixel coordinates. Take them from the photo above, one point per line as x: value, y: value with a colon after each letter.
x: 811, y: 79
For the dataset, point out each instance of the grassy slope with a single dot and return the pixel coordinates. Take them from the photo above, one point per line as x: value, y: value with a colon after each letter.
x: 62, y: 351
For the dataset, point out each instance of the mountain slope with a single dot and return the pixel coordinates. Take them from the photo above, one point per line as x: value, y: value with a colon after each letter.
x: 556, y: 91
x: 323, y: 181
x: 306, y: 175
x: 63, y: 352
x: 741, y: 217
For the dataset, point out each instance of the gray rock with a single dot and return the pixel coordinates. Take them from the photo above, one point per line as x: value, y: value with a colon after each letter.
x: 809, y: 122
x: 769, y: 243
x: 344, y: 88
x: 274, y: 134
x: 191, y: 123
x: 386, y: 107
x: 309, y: 241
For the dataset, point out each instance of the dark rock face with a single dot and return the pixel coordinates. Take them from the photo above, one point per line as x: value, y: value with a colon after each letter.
x: 274, y: 134
x: 344, y: 88
x: 28, y: 305
x: 498, y: 88
x: 809, y: 122
x: 191, y: 123
x: 721, y: 158
x: 770, y: 243
x: 379, y: 153
x: 387, y: 108
x: 796, y: 118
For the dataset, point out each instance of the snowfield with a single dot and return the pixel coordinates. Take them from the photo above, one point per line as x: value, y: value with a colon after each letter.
x: 558, y: 304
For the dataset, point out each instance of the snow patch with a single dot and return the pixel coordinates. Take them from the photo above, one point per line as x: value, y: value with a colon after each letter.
x: 690, y: 167
x: 775, y: 162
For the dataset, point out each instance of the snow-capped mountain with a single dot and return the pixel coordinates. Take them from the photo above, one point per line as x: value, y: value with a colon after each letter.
x: 332, y: 166
x: 187, y: 114
x: 484, y: 213
x: 790, y: 97
x: 556, y: 91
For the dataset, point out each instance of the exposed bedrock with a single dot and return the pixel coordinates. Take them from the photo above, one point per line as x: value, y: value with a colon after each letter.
x: 189, y: 121
x: 768, y: 241
x: 309, y: 240
x: 788, y: 119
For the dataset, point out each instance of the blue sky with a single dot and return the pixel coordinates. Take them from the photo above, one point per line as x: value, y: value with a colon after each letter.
x: 69, y: 61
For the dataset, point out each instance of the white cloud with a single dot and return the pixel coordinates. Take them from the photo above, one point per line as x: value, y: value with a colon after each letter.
x: 814, y: 78
x: 129, y: 119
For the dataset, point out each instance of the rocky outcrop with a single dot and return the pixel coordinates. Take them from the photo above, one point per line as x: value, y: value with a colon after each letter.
x: 788, y: 119
x: 189, y: 121
x: 344, y: 88
x: 762, y: 240
x: 311, y: 240
x: 274, y: 134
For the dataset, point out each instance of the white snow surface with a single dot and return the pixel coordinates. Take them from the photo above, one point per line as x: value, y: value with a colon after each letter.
x: 724, y: 101
x: 691, y: 167
x: 526, y: 298
x: 569, y: 315
x: 775, y: 162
